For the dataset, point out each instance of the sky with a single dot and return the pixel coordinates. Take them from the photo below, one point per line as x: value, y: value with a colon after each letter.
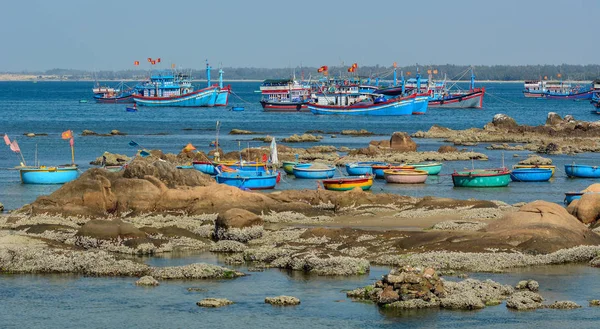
x: 112, y: 34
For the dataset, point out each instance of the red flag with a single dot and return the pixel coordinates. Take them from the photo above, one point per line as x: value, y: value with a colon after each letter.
x: 6, y: 140
x: 153, y: 62
x: 149, y: 60
x: 67, y: 134
x: 355, y: 65
x: 71, y: 142
x: 15, y: 147
x: 158, y: 60
x: 136, y: 63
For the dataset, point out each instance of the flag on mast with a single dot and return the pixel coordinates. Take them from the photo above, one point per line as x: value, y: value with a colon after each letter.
x: 6, y: 140
x: 14, y: 146
x: 67, y: 134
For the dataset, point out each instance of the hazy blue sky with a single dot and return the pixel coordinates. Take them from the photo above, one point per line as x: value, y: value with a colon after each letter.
x: 111, y: 34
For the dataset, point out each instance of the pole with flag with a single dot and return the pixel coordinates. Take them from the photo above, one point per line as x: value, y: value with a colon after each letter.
x: 69, y: 135
x: 14, y: 146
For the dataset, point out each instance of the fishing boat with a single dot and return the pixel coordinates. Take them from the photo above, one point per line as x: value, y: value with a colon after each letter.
x: 205, y: 167
x: 379, y: 168
x: 168, y: 88
x: 314, y: 171
x: 120, y: 95
x: 582, y: 171
x: 288, y: 166
x: 361, y: 168
x: 284, y: 95
x: 559, y: 90
x: 346, y: 183
x: 48, y: 175
x: 362, y: 104
x: 131, y: 108
x: 244, y: 165
x: 531, y: 175
x: 482, y: 178
x: 432, y: 168
x: 251, y: 180
x: 596, y: 102
x: 533, y: 89
x: 570, y: 196
x: 551, y: 167
x: 405, y: 176
x: 237, y: 108
x: 442, y: 96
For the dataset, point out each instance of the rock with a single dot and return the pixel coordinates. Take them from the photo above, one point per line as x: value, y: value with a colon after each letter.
x: 194, y: 271
x: 380, y: 144
x: 282, y: 300
x: 353, y: 132
x: 569, y: 118
x: 530, y: 285
x: 147, y: 281
x: 302, y: 138
x: 592, y: 188
x: 447, y: 149
x: 235, y: 259
x: 239, y: 225
x: 111, y: 159
x: 401, y: 142
x: 502, y: 121
x: 550, y: 148
x: 228, y: 246
x: 1, y: 207
x: 524, y: 300
x: 595, y: 302
x: 196, y: 289
x: 587, y: 208
x: 241, y: 132
x: 214, y: 302
x: 536, y: 160
x: 563, y: 305
x: 388, y: 295
x: 595, y: 262
x: 115, y: 132
x: 266, y: 139
x: 553, y: 119
x: 88, y: 133
x: 462, y: 301
x: 109, y: 230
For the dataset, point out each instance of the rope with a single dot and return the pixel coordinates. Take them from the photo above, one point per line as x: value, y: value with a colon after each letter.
x: 236, y: 95
x: 504, y: 99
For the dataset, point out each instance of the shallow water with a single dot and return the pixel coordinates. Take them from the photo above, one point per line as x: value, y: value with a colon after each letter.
x: 53, y: 107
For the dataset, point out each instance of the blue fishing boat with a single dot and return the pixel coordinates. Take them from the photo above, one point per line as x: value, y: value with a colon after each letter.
x: 237, y: 108
x: 223, y: 92
x: 531, y: 175
x: 570, y: 196
x: 119, y: 95
x: 167, y: 88
x: 559, y: 90
x: 205, y: 167
x: 361, y: 168
x: 48, y: 175
x: 362, y: 104
x: 312, y: 171
x: 250, y: 180
x: 582, y: 171
x: 421, y: 104
x: 131, y: 108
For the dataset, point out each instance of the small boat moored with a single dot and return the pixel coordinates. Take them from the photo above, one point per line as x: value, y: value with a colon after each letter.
x: 361, y: 168
x: 482, y: 178
x: 432, y: 168
x: 379, y: 168
x: 582, y: 171
x: 348, y: 183
x: 551, y: 167
x: 531, y: 175
x: 288, y: 166
x: 405, y: 176
x: 314, y: 171
x: 570, y: 196
x: 48, y: 175
x: 249, y: 180
x: 237, y: 108
x: 205, y: 167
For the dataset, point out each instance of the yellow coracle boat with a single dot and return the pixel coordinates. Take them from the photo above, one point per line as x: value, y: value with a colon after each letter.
x: 551, y: 167
x: 346, y: 183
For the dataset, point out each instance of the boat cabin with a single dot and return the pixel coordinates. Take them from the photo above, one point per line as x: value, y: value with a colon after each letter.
x: 166, y: 84
x: 284, y: 90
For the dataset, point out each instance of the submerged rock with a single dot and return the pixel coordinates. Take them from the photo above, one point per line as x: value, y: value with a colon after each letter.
x: 147, y: 281
x: 302, y: 138
x: 595, y: 302
x: 214, y: 302
x: 282, y: 300
x: 241, y: 132
x: 564, y: 305
x: 524, y: 300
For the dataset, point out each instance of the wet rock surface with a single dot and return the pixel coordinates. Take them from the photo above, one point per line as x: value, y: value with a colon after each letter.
x: 147, y: 281
x: 524, y: 301
x: 214, y: 302
x: 282, y: 300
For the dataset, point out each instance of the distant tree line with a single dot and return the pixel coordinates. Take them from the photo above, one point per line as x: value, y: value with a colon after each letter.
x: 453, y: 72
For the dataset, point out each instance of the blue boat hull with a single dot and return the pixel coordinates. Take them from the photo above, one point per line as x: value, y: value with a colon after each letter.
x: 570, y: 196
x: 581, y: 171
x: 389, y: 108
x: 222, y: 97
x: 206, y: 168
x: 314, y: 173
x: 531, y: 175
x: 200, y: 98
x: 248, y: 180
x: 421, y: 103
x: 361, y: 168
x: 48, y: 175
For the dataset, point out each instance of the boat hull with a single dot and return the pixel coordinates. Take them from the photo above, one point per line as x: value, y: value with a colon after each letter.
x: 531, y: 175
x: 288, y: 166
x: 470, y: 100
x: 409, y: 176
x: 128, y: 99
x: 551, y: 167
x: 581, y: 171
x: 481, y: 178
x: 588, y: 94
x: 361, y: 168
x: 430, y: 168
x: 205, y: 167
x: 248, y: 180
x: 269, y: 106
x: 346, y: 184
x: 249, y: 166
x: 393, y: 107
x: 378, y: 170
x: 421, y: 104
x: 200, y: 98
x: 223, y: 96
x: 50, y: 175
x: 571, y: 196
x: 309, y: 173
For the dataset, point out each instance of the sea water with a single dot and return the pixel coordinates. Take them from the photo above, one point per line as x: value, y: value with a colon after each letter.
x: 53, y: 301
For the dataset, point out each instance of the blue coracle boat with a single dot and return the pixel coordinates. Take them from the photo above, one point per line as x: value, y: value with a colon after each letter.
x: 248, y: 179
x: 312, y: 172
x: 582, y: 171
x: 204, y: 167
x: 570, y: 196
x: 48, y: 175
x: 530, y: 175
x: 361, y: 168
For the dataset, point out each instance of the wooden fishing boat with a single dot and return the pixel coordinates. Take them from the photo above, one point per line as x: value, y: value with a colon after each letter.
x: 405, y: 176
x: 348, y: 183
x: 432, y: 168
x: 551, y: 167
x: 482, y: 178
x: 362, y: 168
x: 284, y: 95
x: 582, y: 171
x: 131, y: 108
x: 48, y: 175
x: 378, y: 169
x: 310, y: 171
x: 570, y: 196
x: 531, y: 175
x: 205, y: 167
x: 259, y: 180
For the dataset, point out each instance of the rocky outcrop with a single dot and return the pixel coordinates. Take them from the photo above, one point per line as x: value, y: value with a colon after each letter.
x: 553, y: 119
x: 536, y: 160
x: 111, y: 159
x: 109, y: 230
x: 401, y: 142
x: 147, y: 281
x: 524, y: 301
x: 530, y: 285
x: 587, y: 208
x: 238, y: 225
x: 302, y: 138
x: 241, y: 132
x: 447, y: 149
x: 353, y: 132
x: 214, y: 302
x: 282, y: 300
x: 563, y: 305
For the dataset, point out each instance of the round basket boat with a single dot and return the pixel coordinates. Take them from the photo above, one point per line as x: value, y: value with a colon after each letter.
x: 313, y: 172
x: 432, y: 168
x: 348, y: 183
x: 378, y: 169
x: 405, y: 176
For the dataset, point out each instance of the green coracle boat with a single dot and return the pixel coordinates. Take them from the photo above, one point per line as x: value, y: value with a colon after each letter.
x: 288, y: 166
x: 432, y: 168
x: 482, y: 178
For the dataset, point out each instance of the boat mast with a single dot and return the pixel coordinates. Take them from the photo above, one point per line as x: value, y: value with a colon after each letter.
x: 418, y: 80
x: 220, y: 78
x: 395, y: 76
x: 207, y: 73
x: 472, y: 79
x: 403, y: 87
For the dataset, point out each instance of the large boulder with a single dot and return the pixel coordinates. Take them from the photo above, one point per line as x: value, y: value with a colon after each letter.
x: 447, y: 149
x: 501, y: 121
x: 401, y: 142
x: 587, y: 208
x: 553, y: 119
x: 166, y: 172
x: 109, y: 230
x: 239, y: 225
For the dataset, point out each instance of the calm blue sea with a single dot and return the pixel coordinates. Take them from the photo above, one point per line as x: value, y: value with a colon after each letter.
x: 65, y: 301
